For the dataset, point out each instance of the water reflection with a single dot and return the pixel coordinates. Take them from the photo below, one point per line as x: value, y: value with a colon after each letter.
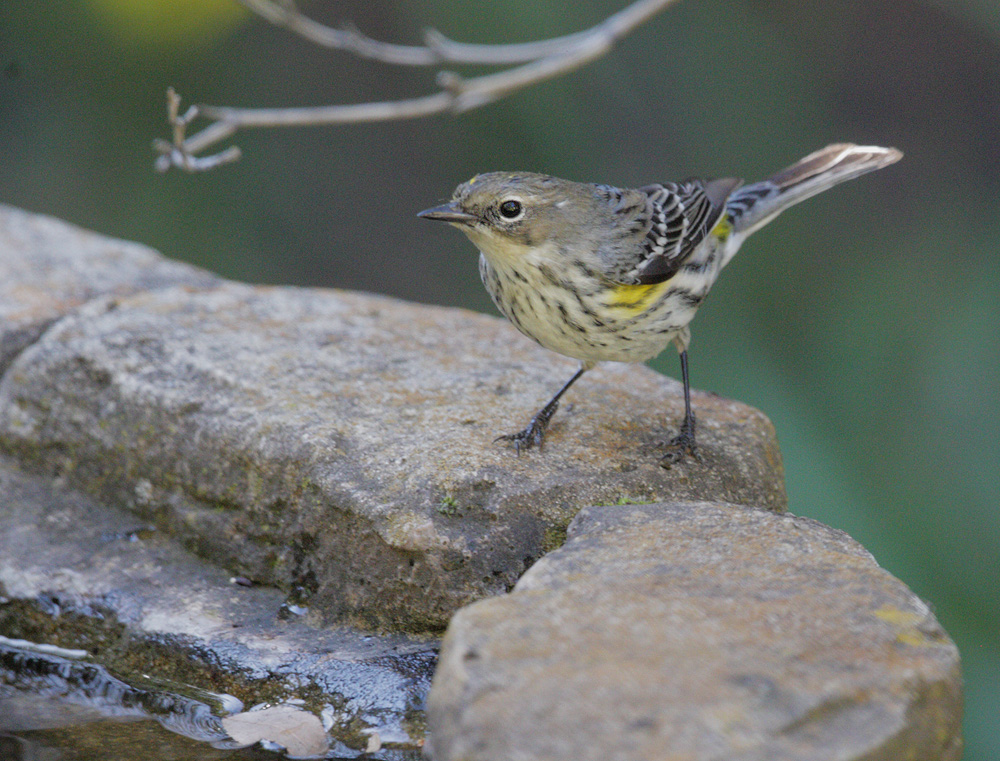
x: 55, y: 705
x: 35, y: 727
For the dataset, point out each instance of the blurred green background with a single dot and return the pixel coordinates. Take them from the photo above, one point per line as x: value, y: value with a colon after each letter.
x: 865, y: 323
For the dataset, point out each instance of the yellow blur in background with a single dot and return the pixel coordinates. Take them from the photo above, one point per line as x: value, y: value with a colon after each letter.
x: 144, y: 24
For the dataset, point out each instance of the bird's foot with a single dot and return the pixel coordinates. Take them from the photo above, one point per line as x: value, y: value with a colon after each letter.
x: 533, y: 433
x: 682, y: 444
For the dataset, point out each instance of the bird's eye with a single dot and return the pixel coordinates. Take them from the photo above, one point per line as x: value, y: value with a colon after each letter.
x: 511, y: 209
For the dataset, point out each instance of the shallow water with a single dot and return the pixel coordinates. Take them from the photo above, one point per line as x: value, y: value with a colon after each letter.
x: 36, y: 727
x: 55, y: 705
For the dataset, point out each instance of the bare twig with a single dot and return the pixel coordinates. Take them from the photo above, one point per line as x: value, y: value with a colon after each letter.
x: 437, y: 48
x: 180, y: 152
x: 538, y: 61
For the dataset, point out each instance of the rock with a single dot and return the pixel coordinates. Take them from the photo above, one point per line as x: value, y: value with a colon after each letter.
x: 698, y: 631
x: 49, y: 267
x: 342, y: 443
x: 339, y: 446
x: 78, y: 574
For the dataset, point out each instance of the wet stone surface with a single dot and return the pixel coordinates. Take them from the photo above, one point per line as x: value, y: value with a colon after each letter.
x: 80, y: 575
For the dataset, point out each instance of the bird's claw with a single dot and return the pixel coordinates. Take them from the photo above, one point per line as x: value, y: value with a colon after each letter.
x: 682, y: 444
x: 534, y: 432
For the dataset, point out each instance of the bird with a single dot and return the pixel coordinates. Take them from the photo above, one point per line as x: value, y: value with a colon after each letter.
x: 601, y: 273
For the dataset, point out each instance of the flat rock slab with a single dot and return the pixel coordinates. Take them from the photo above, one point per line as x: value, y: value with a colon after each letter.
x: 697, y: 631
x: 342, y: 444
x: 81, y: 575
x: 48, y: 267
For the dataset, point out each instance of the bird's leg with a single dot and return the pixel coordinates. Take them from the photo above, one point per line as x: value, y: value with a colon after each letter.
x: 684, y: 442
x: 533, y: 434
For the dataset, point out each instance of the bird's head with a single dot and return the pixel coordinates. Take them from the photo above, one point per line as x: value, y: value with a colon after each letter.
x: 505, y: 213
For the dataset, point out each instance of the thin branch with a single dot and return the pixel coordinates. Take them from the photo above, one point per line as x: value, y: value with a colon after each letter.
x: 539, y: 61
x: 437, y: 48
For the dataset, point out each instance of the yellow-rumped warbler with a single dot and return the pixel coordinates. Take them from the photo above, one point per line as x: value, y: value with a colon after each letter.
x: 601, y: 273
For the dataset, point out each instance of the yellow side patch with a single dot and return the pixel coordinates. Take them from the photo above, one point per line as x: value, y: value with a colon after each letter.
x: 722, y: 228
x: 633, y: 299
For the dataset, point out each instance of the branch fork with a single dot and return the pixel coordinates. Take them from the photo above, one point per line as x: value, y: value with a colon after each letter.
x: 530, y: 63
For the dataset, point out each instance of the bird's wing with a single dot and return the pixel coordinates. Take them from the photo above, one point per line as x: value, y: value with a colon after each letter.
x: 681, y: 214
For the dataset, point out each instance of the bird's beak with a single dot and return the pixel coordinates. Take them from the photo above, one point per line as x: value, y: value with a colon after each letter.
x: 449, y: 212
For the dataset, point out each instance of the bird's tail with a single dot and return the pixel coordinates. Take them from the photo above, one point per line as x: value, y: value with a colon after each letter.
x: 755, y: 205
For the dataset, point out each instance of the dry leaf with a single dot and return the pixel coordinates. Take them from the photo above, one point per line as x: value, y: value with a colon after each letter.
x: 298, y: 731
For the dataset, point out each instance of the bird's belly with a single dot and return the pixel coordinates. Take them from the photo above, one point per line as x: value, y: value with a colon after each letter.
x: 594, y: 321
